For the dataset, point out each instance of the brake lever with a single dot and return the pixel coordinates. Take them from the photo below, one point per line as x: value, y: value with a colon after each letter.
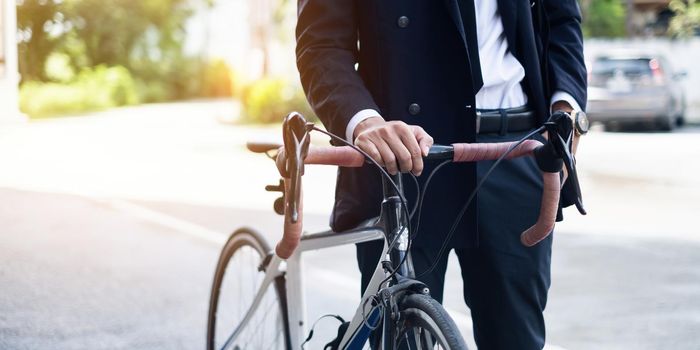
x: 559, y: 124
x: 295, y: 132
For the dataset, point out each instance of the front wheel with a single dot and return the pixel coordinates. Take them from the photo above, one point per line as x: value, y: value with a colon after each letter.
x: 424, y: 324
x: 239, y: 275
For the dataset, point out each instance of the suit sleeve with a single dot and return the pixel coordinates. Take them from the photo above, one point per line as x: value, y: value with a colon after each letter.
x: 567, y: 69
x: 327, y: 51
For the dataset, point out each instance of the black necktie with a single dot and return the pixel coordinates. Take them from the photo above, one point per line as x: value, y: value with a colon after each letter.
x: 468, y: 12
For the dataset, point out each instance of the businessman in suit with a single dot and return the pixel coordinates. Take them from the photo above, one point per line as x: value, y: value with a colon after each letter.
x: 394, y: 76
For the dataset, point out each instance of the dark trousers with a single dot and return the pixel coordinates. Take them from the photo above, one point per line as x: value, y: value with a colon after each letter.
x: 505, y: 283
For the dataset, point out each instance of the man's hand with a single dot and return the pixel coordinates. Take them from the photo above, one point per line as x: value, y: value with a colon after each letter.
x: 394, y: 144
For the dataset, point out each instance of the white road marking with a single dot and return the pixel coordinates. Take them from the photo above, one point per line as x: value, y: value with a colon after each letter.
x: 182, y: 226
x: 552, y: 347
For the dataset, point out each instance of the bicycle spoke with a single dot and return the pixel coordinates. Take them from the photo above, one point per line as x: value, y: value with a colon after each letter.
x: 418, y: 338
x: 255, y: 326
x: 239, y: 285
x: 429, y: 340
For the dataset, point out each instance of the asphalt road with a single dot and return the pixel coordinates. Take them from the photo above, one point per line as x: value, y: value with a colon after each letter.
x: 110, y: 229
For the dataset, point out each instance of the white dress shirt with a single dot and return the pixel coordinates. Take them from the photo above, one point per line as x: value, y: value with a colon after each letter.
x: 502, y: 72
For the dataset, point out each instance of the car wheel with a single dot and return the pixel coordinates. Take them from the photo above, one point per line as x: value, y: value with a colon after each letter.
x: 680, y: 121
x: 666, y: 123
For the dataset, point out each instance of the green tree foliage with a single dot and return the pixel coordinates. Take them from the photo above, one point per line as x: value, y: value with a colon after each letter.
x: 603, y: 18
x: 39, y: 31
x: 686, y: 20
x: 73, y: 42
x: 93, y: 89
x: 268, y: 100
x: 127, y: 33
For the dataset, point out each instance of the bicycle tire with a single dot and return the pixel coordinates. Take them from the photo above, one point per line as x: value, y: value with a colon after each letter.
x: 249, y: 242
x: 421, y: 313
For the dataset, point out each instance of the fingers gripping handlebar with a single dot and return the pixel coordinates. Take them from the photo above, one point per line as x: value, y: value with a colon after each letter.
x: 297, y: 152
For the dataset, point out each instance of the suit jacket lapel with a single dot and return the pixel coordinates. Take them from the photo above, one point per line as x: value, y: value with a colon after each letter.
x: 508, y: 12
x: 453, y: 10
x: 453, y: 7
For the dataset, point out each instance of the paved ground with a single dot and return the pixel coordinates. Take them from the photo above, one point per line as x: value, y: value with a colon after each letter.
x: 111, y: 227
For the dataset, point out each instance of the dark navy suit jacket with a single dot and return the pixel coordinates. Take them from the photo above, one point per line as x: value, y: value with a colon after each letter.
x: 354, y: 55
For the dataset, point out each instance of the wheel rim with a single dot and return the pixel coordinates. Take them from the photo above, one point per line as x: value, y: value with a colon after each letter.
x: 240, y: 283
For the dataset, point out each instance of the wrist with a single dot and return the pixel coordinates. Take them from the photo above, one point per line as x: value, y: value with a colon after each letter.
x: 366, y: 124
x: 562, y: 106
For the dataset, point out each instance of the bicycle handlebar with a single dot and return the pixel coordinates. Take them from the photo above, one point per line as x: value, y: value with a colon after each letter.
x: 550, y: 156
x: 462, y: 152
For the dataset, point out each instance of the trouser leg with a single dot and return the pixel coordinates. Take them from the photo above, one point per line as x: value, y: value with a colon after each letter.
x: 506, y: 283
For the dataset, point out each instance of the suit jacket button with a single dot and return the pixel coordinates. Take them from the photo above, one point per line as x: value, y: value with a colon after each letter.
x: 403, y: 22
x: 414, y: 109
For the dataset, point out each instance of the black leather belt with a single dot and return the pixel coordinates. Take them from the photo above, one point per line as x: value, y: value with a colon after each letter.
x: 503, y: 121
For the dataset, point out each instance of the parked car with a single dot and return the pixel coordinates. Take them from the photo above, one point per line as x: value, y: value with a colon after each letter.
x: 627, y: 87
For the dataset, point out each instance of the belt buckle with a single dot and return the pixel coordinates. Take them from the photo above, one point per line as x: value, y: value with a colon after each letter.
x: 478, y: 121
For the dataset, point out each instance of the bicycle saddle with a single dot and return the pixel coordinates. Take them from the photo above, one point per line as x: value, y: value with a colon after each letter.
x: 262, y: 147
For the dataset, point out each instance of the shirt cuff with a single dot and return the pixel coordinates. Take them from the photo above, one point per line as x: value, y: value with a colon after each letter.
x: 566, y: 97
x: 357, y: 119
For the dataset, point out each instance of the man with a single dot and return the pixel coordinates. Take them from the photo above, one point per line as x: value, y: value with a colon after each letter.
x: 395, y: 76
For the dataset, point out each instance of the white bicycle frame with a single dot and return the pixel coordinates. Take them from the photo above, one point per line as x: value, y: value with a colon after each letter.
x: 359, y: 329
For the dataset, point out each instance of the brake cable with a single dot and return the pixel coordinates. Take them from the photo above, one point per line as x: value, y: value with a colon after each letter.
x: 404, y: 204
x: 459, y: 217
x: 409, y: 216
x: 415, y: 183
x: 422, y: 193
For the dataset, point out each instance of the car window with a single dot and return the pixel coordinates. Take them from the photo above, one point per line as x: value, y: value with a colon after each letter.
x: 630, y: 67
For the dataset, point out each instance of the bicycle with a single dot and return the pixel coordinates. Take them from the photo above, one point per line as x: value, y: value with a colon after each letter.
x: 395, y: 306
